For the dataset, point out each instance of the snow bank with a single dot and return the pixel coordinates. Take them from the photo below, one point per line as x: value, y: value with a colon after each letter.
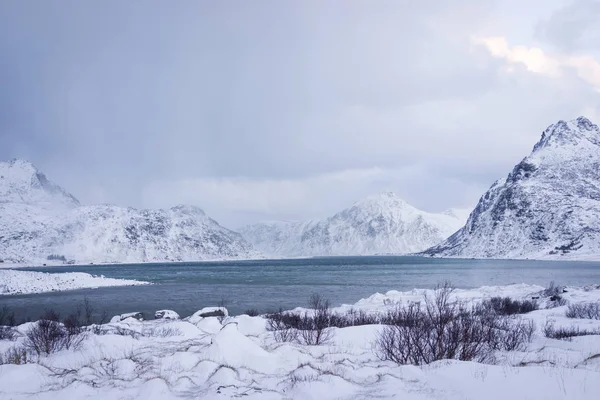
x: 26, y: 282
x: 231, y: 357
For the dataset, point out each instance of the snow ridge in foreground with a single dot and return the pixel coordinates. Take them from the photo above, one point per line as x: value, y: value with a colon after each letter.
x: 26, y: 282
x: 236, y: 357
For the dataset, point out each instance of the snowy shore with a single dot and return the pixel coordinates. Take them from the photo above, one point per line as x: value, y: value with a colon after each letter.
x: 26, y: 282
x: 231, y: 357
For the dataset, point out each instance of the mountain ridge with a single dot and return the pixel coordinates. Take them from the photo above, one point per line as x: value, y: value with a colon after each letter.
x: 39, y: 219
x: 548, y: 206
x: 378, y: 224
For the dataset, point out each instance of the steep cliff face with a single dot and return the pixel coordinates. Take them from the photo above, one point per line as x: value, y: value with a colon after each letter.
x: 547, y: 207
x: 376, y: 225
x: 39, y: 219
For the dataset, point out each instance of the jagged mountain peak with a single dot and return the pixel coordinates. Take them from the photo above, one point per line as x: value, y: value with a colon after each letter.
x: 577, y: 132
x: 382, y: 223
x: 547, y: 206
x: 22, y: 182
x: 188, y: 209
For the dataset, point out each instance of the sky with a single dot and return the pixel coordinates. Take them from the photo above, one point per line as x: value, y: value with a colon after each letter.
x: 269, y: 110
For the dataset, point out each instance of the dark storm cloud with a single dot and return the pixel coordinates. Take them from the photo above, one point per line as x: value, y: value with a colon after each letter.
x: 274, y: 109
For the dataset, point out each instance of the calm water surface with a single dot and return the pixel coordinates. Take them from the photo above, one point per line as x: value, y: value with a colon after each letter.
x: 270, y: 284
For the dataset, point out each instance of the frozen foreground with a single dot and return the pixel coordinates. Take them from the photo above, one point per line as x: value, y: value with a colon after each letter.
x: 237, y: 357
x: 25, y: 282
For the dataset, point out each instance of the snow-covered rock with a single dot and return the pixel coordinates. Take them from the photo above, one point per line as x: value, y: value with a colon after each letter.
x: 166, y: 314
x: 138, y: 316
x: 207, y: 312
x: 547, y: 207
x: 39, y: 219
x: 376, y: 225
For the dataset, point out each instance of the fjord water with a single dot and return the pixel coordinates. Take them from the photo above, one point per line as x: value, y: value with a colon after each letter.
x: 269, y: 284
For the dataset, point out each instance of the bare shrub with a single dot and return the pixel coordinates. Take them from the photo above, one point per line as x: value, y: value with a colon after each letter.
x: 161, y: 332
x: 508, y: 306
x: 122, y: 331
x: 15, y: 355
x: 584, y: 311
x: 252, y: 312
x: 45, y: 337
x: 310, y: 328
x: 7, y: 333
x: 440, y: 329
x: 556, y: 301
x: 314, y: 329
x: 562, y: 333
x: 553, y: 290
x: 48, y: 335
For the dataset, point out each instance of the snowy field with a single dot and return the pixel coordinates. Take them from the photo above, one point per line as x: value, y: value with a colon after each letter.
x: 25, y: 282
x: 238, y: 357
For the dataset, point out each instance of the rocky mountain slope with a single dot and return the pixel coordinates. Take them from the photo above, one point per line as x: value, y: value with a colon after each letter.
x: 547, y: 207
x: 376, y: 225
x: 39, y: 219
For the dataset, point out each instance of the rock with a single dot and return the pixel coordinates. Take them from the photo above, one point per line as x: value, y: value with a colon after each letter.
x: 135, y: 315
x: 208, y: 312
x: 166, y: 314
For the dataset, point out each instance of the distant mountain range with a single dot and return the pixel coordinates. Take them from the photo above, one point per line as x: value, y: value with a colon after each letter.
x: 547, y: 207
x: 39, y: 219
x: 382, y: 224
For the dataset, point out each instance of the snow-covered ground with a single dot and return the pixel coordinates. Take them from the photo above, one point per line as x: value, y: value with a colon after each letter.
x: 23, y: 282
x: 236, y: 357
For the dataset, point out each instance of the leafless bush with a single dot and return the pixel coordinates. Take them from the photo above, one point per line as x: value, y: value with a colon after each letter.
x: 553, y: 290
x: 48, y: 335
x: 310, y: 328
x: 353, y: 317
x: 314, y: 328
x: 7, y: 333
x: 252, y: 312
x: 45, y: 337
x: 508, y: 306
x: 440, y: 329
x: 562, y: 333
x: 15, y: 355
x: 122, y: 331
x: 161, y: 332
x: 556, y: 301
x: 584, y: 311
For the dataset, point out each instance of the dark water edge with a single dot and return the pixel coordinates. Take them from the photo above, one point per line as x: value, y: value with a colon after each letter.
x: 270, y: 284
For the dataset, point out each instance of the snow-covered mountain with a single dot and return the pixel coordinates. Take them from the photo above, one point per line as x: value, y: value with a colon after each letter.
x: 376, y: 225
x: 38, y: 219
x: 547, y: 207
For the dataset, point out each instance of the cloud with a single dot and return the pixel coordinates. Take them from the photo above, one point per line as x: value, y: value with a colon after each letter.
x: 271, y: 110
x: 540, y: 62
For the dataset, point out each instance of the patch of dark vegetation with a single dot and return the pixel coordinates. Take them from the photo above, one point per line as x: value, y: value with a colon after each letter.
x: 57, y: 257
x: 584, y: 311
x: 553, y: 290
x: 309, y: 328
x: 566, y: 333
x: 440, y: 329
x: 508, y: 306
x: 252, y: 312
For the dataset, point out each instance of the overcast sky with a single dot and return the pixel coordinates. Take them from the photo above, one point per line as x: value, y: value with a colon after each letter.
x: 289, y: 110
